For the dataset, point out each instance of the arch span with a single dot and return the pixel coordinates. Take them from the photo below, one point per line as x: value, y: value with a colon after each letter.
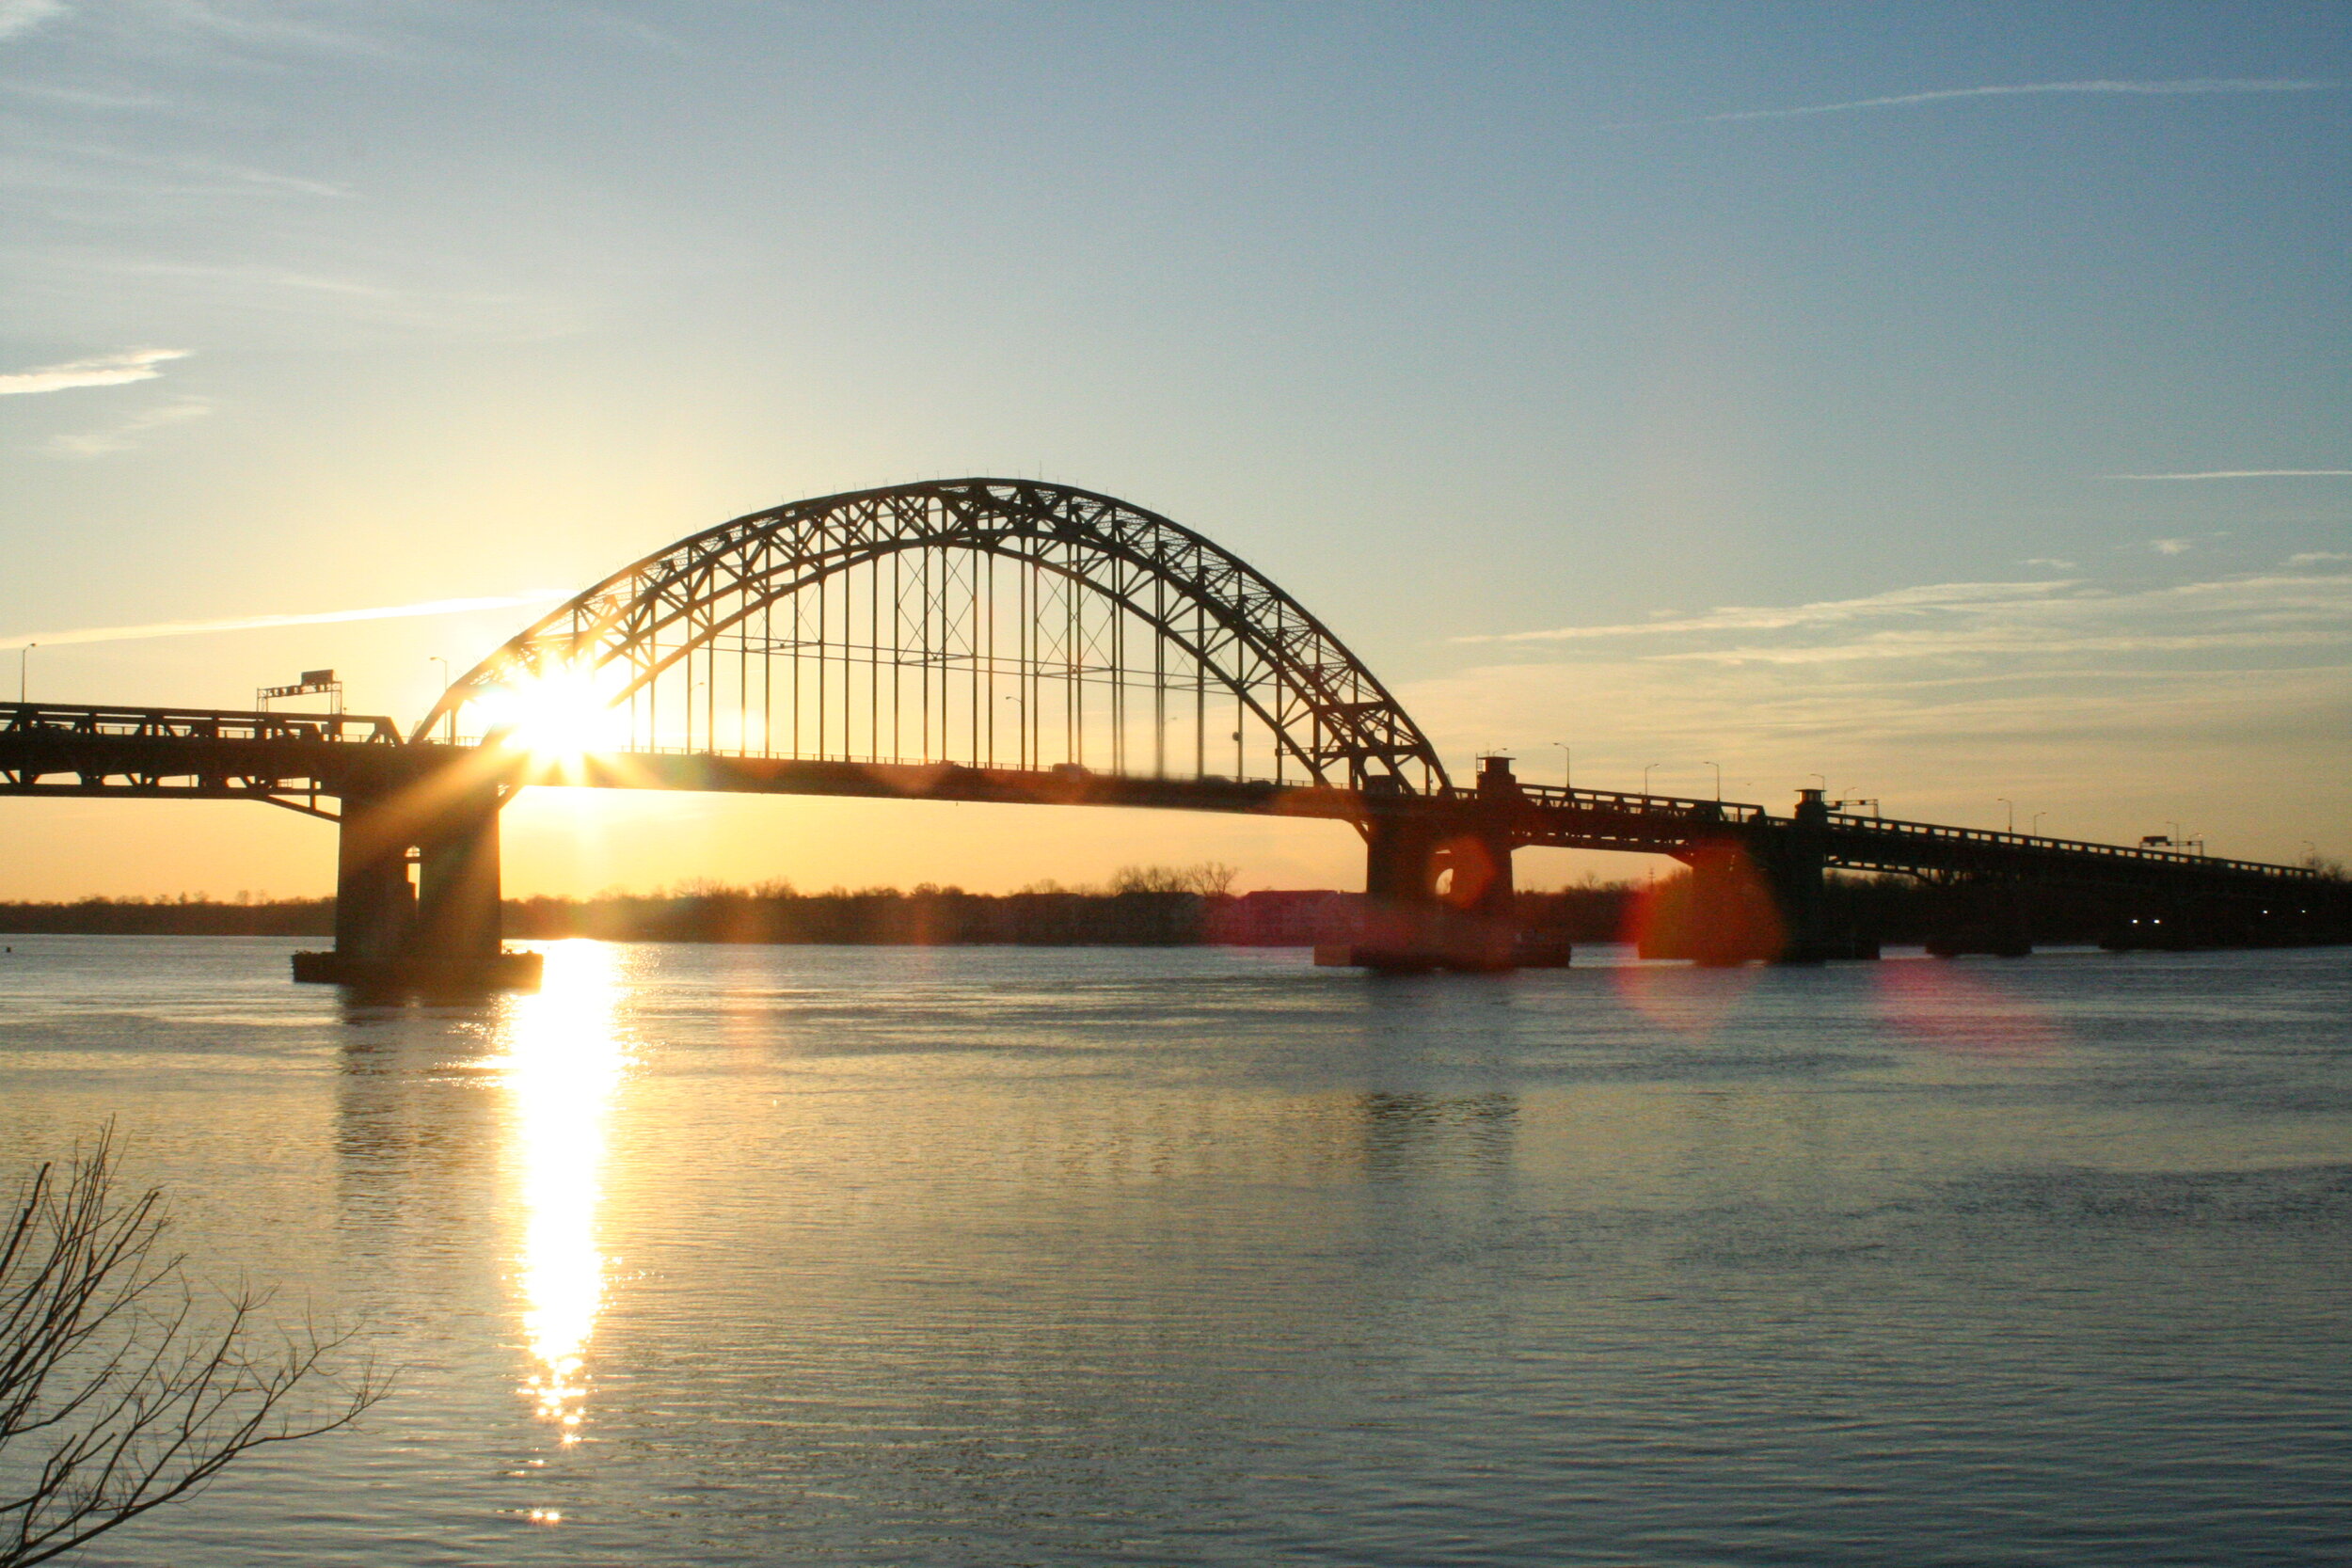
x: 991, y: 621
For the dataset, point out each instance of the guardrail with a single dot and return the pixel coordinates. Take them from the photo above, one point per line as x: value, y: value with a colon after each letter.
x: 165, y: 723
x: 1935, y: 832
x: 1679, y: 807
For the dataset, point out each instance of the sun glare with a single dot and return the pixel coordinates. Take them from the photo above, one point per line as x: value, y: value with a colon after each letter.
x: 557, y: 714
x: 564, y: 1062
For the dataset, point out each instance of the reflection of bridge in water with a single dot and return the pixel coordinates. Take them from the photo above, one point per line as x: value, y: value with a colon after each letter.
x: 1013, y: 642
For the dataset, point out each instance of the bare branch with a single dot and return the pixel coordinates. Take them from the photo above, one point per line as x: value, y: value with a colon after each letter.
x: 119, y: 1390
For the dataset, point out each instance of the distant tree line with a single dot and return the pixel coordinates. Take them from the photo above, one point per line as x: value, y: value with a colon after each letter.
x: 1154, y: 906
x: 183, y: 916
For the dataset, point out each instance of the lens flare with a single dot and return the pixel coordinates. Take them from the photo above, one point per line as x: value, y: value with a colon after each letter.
x: 1962, y: 1010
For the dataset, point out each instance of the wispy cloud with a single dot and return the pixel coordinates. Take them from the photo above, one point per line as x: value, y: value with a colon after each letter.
x: 123, y: 434
x: 1911, y: 602
x: 2245, y: 473
x: 2171, y: 547
x: 2195, y: 85
x: 260, y: 623
x: 82, y: 97
x: 20, y: 16
x: 1968, y: 620
x: 2114, y: 705
x: 110, y: 370
x: 2315, y: 558
x: 96, y: 167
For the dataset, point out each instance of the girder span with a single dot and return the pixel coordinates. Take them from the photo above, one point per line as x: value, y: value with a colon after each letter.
x: 984, y: 621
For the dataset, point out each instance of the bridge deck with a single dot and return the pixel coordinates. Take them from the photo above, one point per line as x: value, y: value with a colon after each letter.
x: 295, y: 759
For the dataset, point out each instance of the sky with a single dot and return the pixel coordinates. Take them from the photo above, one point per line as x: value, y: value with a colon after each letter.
x: 1951, y: 401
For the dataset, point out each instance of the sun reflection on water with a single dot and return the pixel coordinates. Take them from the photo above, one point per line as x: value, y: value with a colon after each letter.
x: 564, y: 1059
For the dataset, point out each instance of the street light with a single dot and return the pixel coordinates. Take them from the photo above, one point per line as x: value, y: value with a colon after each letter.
x: 2003, y: 799
x: 1567, y: 766
x: 1719, y: 778
x: 2033, y: 824
x: 24, y: 655
x: 1645, y: 767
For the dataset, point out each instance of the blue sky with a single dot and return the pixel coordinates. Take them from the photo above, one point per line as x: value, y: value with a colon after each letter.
x: 1485, y: 329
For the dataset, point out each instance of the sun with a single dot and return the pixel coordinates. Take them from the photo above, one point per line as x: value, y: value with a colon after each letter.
x: 556, y: 714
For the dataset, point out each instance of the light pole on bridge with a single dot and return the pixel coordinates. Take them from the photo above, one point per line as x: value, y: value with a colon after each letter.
x: 1645, y: 767
x: 1567, y: 766
x: 1719, y: 780
x: 24, y: 655
x: 2005, y: 800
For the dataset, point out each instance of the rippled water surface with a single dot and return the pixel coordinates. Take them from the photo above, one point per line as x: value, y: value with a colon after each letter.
x: 993, y: 1256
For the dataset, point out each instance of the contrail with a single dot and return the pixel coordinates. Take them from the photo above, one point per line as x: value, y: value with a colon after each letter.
x: 111, y: 370
x: 2143, y: 90
x: 2246, y: 473
x: 257, y: 622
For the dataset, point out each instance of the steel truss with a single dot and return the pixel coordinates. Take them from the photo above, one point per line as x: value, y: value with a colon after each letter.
x: 983, y: 621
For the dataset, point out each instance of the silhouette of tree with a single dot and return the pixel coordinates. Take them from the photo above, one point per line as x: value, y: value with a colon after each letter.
x: 1209, y: 879
x: 125, y: 1384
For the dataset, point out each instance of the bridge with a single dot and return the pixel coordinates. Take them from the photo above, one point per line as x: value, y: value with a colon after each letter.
x: 1015, y: 641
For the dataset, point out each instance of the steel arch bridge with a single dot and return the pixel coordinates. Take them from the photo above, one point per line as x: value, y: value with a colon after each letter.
x: 1008, y: 640
x: 981, y: 622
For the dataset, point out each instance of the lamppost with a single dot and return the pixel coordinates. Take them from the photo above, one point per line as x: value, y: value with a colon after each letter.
x: 2033, y: 824
x: 1022, y: 747
x: 1719, y: 780
x: 1645, y: 767
x: 24, y: 655
x: 2003, y: 799
x: 1567, y: 766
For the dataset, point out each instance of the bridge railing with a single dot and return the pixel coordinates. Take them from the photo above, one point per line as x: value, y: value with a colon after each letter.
x: 1990, y: 838
x: 1679, y: 808
x: 164, y: 723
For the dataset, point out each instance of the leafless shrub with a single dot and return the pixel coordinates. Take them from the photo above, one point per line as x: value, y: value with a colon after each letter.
x: 124, y: 1384
x: 1209, y: 879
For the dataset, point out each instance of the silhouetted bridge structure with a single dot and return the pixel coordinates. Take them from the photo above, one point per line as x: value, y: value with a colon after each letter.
x: 1020, y: 643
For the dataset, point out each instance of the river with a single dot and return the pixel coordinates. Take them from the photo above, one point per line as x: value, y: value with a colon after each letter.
x: 987, y: 1256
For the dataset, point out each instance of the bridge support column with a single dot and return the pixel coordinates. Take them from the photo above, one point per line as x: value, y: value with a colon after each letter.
x: 374, y: 905
x: 457, y: 886
x: 1725, y: 909
x: 1982, y: 915
x: 1793, y: 861
x: 1401, y: 862
x: 440, y: 933
x: 1758, y: 892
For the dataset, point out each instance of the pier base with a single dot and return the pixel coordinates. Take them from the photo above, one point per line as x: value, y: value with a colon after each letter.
x: 504, y: 971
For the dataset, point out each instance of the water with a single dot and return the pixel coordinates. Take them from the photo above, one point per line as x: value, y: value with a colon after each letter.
x: 991, y: 1257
